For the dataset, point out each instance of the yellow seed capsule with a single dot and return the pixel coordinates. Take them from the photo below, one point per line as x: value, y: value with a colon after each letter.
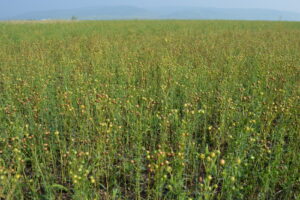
x: 222, y: 162
x: 201, y: 111
x: 202, y: 156
x: 209, y: 177
x: 232, y: 178
x: 169, y: 169
x: 93, y: 180
x: 208, y: 159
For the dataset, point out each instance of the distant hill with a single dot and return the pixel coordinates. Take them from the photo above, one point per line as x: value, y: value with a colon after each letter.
x: 233, y: 14
x: 110, y: 12
x: 131, y: 12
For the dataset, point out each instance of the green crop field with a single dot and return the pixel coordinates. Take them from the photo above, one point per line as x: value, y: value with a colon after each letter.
x: 187, y: 110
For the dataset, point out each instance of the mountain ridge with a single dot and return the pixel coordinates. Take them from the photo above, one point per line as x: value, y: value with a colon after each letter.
x: 134, y: 12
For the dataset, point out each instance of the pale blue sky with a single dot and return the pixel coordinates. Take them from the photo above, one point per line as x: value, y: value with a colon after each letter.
x: 15, y: 7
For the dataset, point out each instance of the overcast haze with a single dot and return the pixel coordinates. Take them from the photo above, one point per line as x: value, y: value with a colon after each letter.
x: 9, y: 8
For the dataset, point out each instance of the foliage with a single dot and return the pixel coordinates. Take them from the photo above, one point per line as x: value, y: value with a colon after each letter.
x: 149, y: 110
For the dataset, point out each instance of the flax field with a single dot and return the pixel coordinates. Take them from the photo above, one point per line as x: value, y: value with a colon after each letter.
x: 154, y: 110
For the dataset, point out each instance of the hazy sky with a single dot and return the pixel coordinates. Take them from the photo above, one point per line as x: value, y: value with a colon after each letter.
x: 15, y: 7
